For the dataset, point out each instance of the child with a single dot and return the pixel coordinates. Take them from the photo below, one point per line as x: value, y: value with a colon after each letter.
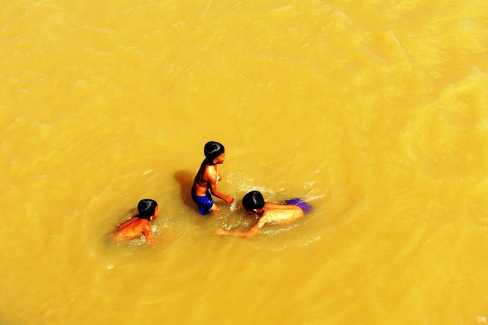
x: 207, y: 178
x: 268, y: 212
x: 139, y: 224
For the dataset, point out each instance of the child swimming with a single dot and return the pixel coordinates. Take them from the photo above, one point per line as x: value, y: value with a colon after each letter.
x: 268, y: 213
x: 207, y: 179
x: 138, y: 225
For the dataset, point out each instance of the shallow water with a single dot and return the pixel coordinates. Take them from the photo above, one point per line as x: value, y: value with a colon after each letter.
x: 375, y: 112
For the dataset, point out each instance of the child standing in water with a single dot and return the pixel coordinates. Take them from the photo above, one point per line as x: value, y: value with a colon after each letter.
x: 138, y: 225
x: 207, y: 178
x: 268, y: 213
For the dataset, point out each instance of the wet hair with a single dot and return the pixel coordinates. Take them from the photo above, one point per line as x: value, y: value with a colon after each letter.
x: 212, y: 150
x: 146, y: 208
x: 253, y: 200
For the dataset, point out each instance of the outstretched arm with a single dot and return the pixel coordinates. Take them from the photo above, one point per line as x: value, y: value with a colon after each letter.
x: 251, y: 232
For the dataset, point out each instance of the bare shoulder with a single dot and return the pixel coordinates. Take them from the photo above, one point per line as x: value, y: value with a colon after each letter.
x: 210, y: 173
x: 129, y: 222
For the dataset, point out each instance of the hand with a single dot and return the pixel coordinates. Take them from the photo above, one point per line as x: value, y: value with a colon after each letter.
x: 222, y: 232
x: 229, y: 199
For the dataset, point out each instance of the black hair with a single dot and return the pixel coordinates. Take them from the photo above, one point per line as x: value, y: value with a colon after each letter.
x: 212, y: 150
x: 146, y: 208
x: 253, y: 200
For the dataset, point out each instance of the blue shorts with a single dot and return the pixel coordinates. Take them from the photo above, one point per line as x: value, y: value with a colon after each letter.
x: 205, y: 203
x: 306, y: 208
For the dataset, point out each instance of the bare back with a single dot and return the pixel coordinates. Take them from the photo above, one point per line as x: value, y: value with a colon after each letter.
x: 132, y: 229
x: 281, y: 214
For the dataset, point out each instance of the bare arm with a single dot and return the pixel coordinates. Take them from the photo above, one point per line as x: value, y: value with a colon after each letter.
x: 212, y: 180
x: 251, y: 232
x: 227, y: 198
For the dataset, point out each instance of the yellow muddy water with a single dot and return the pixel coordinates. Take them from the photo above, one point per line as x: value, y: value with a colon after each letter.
x: 373, y: 111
